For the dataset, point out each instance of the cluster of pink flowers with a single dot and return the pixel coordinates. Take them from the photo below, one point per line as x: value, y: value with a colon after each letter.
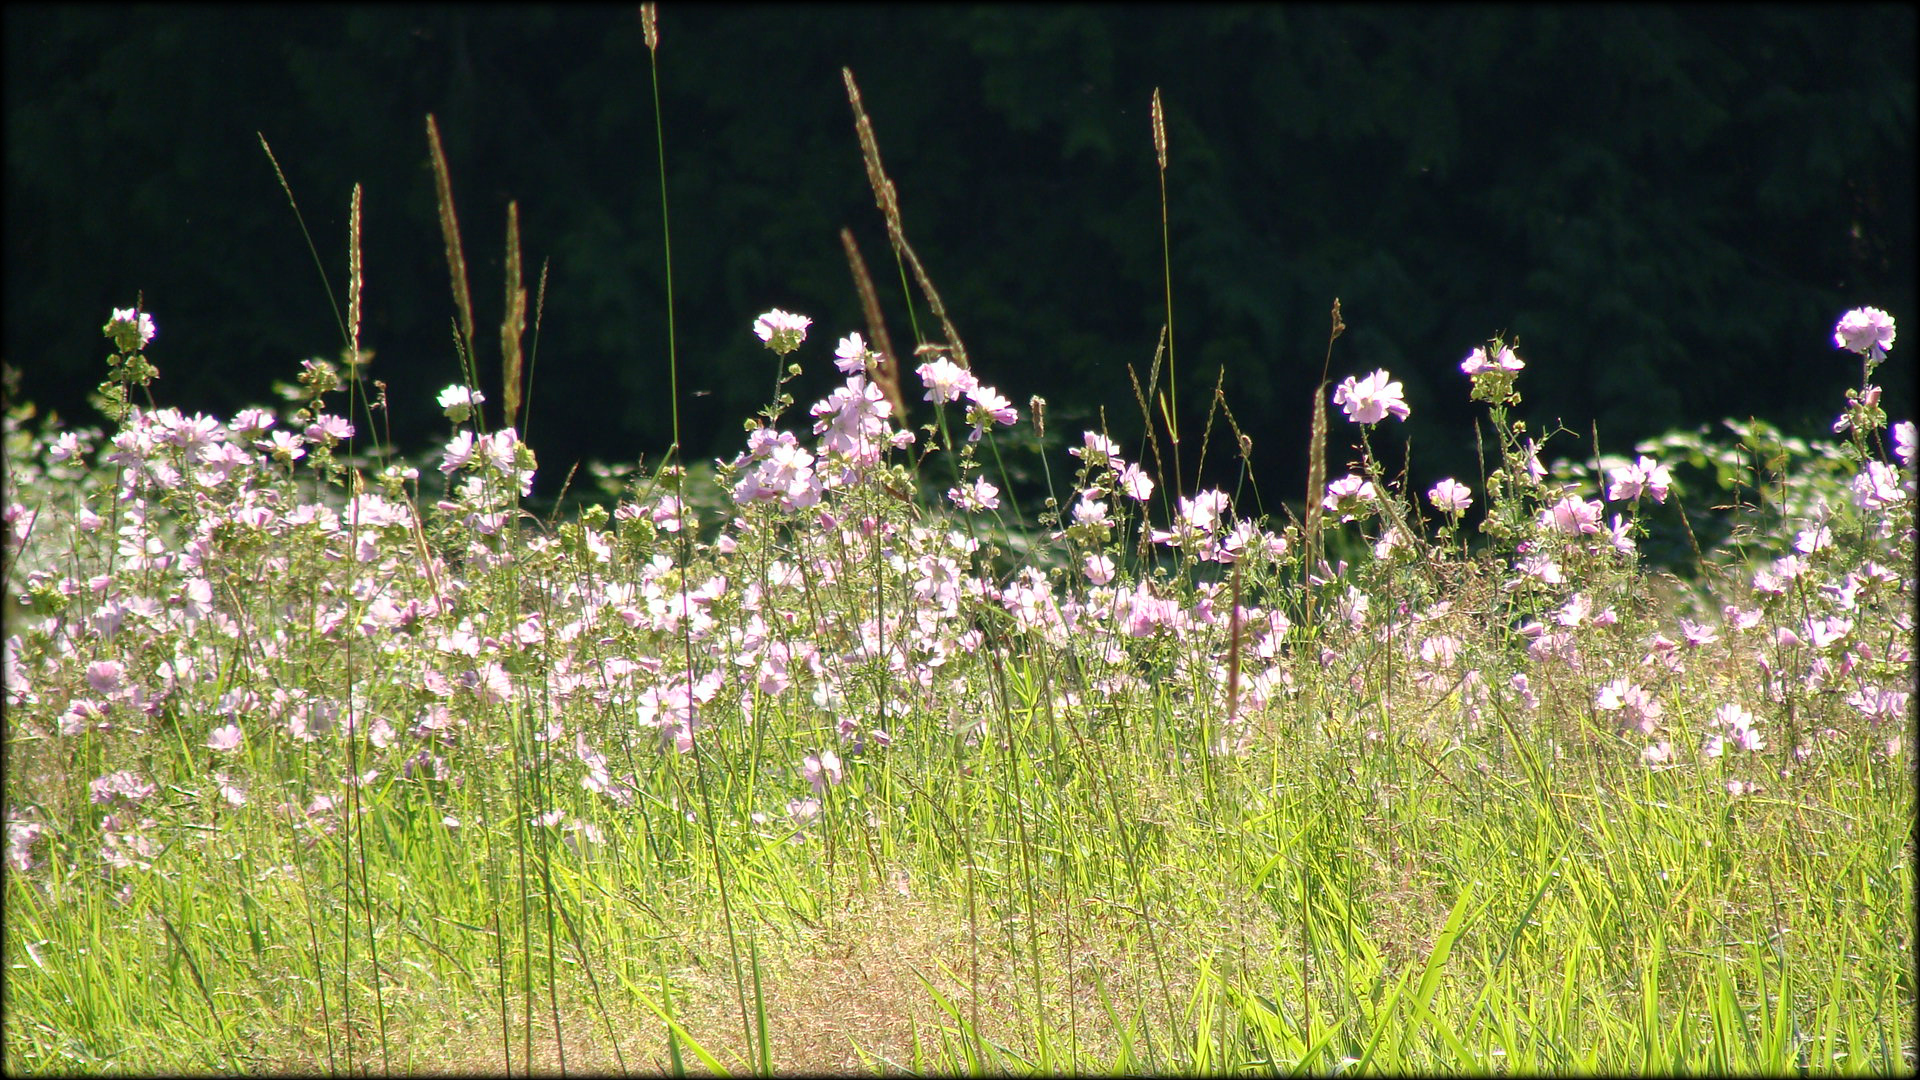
x: 198, y: 540
x: 948, y: 382
x: 1644, y: 477
x: 1479, y: 363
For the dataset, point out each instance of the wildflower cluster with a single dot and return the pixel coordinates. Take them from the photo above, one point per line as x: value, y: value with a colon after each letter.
x: 835, y: 605
x: 131, y: 331
x: 1581, y: 616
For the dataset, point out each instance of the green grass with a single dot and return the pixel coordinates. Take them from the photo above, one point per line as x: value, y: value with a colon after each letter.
x: 1321, y: 908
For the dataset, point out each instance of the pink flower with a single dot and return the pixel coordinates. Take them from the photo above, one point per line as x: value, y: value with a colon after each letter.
x: 224, y: 739
x: 1697, y: 635
x: 1450, y: 497
x: 945, y: 380
x: 1347, y: 494
x: 783, y: 331
x: 490, y: 684
x: 1732, y: 716
x: 1527, y: 698
x: 821, y: 770
x: 977, y: 495
x: 1877, y: 486
x: 1478, y: 363
x: 1099, y: 569
x: 853, y: 421
x: 1091, y: 510
x: 852, y: 354
x: 286, y: 446
x: 329, y: 429
x: 1808, y: 541
x: 1903, y: 442
x: 190, y: 433
x: 127, y: 324
x: 1644, y: 477
x: 788, y: 475
x: 67, y: 447
x: 1245, y: 536
x: 1828, y: 632
x: 1096, y: 449
x: 1637, y: 707
x: 1440, y: 650
x: 1370, y: 400
x: 21, y: 838
x: 248, y: 422
x: 1534, y: 468
x: 1867, y: 331
x: 988, y: 408
x: 123, y: 785
x: 498, y: 449
x: 1575, y: 611
x: 1353, y: 607
x: 1202, y: 512
x: 1877, y: 704
x: 804, y: 810
x: 1620, y: 535
x: 458, y: 451
x: 458, y: 402
x: 1136, y: 483
x: 1573, y: 516
x: 105, y: 676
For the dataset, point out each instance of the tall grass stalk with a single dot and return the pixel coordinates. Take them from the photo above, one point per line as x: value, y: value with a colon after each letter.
x: 649, y: 17
x: 1170, y: 403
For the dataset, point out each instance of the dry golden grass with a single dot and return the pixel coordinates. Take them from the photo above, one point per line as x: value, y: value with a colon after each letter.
x: 845, y: 994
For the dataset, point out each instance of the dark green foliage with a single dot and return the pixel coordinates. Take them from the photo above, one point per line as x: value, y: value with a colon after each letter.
x: 1665, y: 203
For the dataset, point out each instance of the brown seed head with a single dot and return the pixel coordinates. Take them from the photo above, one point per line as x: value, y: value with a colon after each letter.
x: 650, y: 25
x: 1159, y: 131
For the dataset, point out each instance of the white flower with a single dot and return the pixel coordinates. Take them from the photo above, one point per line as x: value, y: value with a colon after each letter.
x: 458, y: 402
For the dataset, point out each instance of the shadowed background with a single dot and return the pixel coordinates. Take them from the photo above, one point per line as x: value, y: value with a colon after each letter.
x: 1670, y: 205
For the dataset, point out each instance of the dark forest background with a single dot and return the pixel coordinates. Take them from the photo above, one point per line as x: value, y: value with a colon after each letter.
x: 1671, y: 205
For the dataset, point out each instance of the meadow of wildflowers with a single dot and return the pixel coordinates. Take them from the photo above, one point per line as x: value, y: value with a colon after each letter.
x: 894, y: 743
x: 316, y: 759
